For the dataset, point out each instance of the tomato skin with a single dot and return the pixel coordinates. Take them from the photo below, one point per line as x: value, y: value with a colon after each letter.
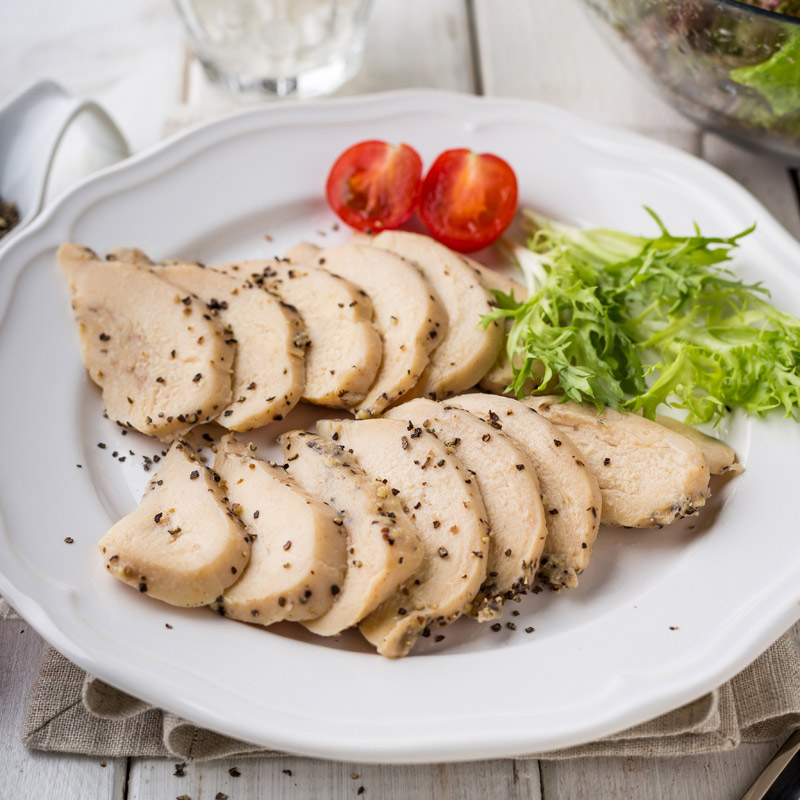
x: 374, y: 185
x: 468, y: 199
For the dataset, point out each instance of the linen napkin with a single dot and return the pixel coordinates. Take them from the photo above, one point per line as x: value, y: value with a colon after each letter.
x: 72, y: 712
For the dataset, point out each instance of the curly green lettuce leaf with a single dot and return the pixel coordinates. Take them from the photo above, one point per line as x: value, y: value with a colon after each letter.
x: 633, y: 322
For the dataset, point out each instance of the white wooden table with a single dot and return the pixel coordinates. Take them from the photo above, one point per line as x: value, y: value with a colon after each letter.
x: 129, y: 54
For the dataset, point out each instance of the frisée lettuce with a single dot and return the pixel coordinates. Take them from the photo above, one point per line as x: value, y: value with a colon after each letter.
x: 632, y: 322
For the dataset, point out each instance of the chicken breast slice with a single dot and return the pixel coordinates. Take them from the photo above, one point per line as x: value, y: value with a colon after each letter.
x: 383, y: 548
x: 183, y: 544
x: 269, y: 369
x: 468, y: 351
x: 649, y: 475
x: 720, y: 457
x: 570, y: 492
x: 445, y: 504
x: 344, y: 349
x: 146, y: 355
x: 510, y: 489
x: 408, y: 315
x: 297, y: 560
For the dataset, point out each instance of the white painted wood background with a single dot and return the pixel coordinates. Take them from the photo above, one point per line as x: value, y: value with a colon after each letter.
x: 129, y: 55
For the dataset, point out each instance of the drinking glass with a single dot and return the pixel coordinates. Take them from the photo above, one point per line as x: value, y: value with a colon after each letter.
x: 300, y: 48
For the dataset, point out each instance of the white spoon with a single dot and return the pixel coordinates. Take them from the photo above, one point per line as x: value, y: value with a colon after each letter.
x: 33, y: 125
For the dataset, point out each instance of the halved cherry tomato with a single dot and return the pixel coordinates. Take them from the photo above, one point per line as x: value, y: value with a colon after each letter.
x: 468, y: 199
x: 375, y: 185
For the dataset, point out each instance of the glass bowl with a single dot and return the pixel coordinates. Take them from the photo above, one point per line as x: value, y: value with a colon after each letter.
x: 733, y: 68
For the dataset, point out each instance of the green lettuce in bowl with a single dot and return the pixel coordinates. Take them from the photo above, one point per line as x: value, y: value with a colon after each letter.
x: 733, y: 67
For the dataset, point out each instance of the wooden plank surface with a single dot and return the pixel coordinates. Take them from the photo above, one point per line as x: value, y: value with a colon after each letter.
x: 547, y: 50
x: 721, y: 776
x: 309, y: 779
x: 25, y: 774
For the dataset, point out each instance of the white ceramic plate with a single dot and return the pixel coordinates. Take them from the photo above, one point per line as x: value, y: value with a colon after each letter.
x: 602, y: 657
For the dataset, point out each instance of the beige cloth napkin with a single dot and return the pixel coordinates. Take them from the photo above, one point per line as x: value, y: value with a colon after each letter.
x: 72, y: 712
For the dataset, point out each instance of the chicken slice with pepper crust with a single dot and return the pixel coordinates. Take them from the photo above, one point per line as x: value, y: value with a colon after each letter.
x: 409, y: 315
x: 443, y: 500
x: 146, y: 355
x: 183, y: 544
x: 510, y: 489
x: 570, y: 491
x: 649, y: 475
x: 383, y: 548
x: 720, y: 457
x: 297, y: 560
x: 269, y: 369
x: 468, y: 350
x: 344, y: 349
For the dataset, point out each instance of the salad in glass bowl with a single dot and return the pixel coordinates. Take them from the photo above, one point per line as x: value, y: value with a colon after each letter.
x: 733, y: 67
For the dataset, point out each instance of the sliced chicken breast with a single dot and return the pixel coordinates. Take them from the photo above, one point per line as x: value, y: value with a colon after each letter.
x: 146, y: 355
x: 720, y: 457
x: 443, y: 500
x: 649, y: 475
x: 183, y: 544
x: 408, y: 315
x: 298, y: 555
x: 268, y: 371
x: 570, y: 491
x: 383, y: 548
x: 510, y: 489
x: 344, y: 349
x: 468, y: 351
